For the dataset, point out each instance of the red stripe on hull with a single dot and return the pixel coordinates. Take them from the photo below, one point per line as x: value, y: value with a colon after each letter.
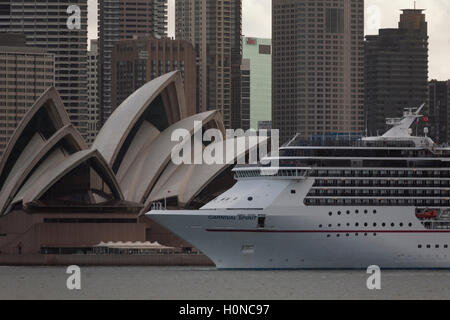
x: 329, y: 231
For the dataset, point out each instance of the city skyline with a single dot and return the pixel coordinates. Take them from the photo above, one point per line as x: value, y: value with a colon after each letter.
x: 255, y: 11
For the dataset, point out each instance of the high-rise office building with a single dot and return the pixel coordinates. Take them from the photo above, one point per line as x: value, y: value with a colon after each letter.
x: 439, y: 116
x: 136, y: 62
x: 92, y: 89
x: 318, y: 72
x: 396, y: 70
x: 26, y: 73
x: 124, y: 19
x: 214, y: 28
x: 259, y: 53
x: 245, y: 94
x: 52, y: 25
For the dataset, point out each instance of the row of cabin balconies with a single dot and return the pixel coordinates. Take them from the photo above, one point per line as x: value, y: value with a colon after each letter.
x: 407, y: 173
x: 382, y: 193
x: 384, y: 183
x: 376, y: 202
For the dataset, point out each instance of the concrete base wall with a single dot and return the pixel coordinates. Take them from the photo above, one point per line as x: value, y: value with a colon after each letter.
x: 106, y: 260
x: 28, y: 233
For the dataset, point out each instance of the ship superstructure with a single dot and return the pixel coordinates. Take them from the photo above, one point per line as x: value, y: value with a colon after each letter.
x: 333, y: 202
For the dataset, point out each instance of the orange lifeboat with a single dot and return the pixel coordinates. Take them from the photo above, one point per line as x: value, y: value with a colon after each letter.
x: 429, y: 214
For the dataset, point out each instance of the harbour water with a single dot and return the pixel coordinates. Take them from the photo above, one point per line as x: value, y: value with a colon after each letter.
x: 179, y: 283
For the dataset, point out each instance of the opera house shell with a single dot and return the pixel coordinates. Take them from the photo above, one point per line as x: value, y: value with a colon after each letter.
x: 59, y: 195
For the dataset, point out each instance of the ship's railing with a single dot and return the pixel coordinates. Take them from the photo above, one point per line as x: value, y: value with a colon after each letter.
x: 437, y: 224
x: 255, y: 172
x: 158, y: 206
x: 443, y: 149
x: 352, y: 142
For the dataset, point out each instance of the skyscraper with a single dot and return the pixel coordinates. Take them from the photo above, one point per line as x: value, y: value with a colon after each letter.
x: 245, y: 94
x: 214, y: 28
x: 45, y: 25
x: 138, y: 61
x: 396, y: 70
x: 439, y: 115
x: 26, y: 73
x: 92, y: 89
x: 124, y: 19
x: 259, y: 53
x: 318, y: 55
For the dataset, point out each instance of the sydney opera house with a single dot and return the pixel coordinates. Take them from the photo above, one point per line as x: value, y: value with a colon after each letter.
x: 59, y: 195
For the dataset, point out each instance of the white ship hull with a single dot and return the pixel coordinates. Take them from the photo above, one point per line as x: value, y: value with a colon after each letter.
x: 294, y: 240
x: 381, y: 201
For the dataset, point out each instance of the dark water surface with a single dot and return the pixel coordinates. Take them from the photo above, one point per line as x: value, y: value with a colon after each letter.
x: 207, y: 283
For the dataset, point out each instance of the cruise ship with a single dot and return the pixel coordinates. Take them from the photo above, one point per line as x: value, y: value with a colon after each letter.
x: 333, y: 203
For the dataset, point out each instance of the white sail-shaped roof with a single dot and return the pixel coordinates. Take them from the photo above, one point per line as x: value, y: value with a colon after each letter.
x: 37, y: 154
x: 116, y: 135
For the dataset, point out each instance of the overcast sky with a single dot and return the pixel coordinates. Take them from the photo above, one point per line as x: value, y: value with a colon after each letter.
x: 379, y: 14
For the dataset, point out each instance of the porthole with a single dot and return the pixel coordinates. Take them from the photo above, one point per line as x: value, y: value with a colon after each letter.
x: 250, y: 198
x: 339, y: 224
x: 357, y: 224
x: 366, y: 212
x: 320, y: 226
x: 356, y: 211
x: 410, y: 224
x: 392, y: 224
x: 437, y: 246
x: 374, y: 234
x: 366, y: 224
x: 328, y: 236
x: 330, y: 214
x: 428, y: 246
x: 348, y: 224
x: 339, y: 213
x: 293, y: 191
x: 401, y: 224
x: 348, y: 235
x: 338, y: 235
x: 446, y: 246
x: 384, y: 224
x: 348, y: 211
x: 374, y: 211
x: 329, y: 226
x: 420, y: 246
x: 374, y: 224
